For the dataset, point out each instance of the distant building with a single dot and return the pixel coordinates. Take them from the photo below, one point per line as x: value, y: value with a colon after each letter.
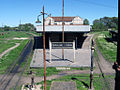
x: 67, y: 20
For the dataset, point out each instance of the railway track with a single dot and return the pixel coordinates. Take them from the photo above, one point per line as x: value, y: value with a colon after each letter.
x: 13, y: 69
x: 102, y: 69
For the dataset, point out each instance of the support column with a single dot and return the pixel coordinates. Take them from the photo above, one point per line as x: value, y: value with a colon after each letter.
x: 76, y: 43
x: 74, y: 50
x: 50, y: 47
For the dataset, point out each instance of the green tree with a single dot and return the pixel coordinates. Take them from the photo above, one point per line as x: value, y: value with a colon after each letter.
x: 106, y: 23
x: 86, y: 22
x: 6, y: 28
x: 26, y: 27
x: 97, y: 24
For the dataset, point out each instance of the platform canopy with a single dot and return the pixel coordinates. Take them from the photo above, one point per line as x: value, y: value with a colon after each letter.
x: 67, y: 28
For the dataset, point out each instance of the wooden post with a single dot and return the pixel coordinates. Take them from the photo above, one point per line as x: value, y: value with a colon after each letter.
x: 63, y: 30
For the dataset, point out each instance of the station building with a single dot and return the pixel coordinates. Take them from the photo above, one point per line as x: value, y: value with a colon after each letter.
x: 75, y: 55
x: 73, y: 30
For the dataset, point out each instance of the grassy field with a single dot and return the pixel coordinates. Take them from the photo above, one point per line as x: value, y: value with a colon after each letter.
x: 107, y: 48
x: 7, y: 41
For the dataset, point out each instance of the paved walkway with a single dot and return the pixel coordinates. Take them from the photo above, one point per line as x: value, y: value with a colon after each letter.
x: 82, y: 56
x: 8, y: 50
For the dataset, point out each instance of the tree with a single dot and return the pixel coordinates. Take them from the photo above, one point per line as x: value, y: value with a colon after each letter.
x: 106, y: 23
x: 26, y: 27
x: 86, y: 22
x: 97, y: 24
x: 6, y: 28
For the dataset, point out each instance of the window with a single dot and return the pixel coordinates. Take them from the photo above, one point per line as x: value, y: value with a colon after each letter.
x: 55, y: 23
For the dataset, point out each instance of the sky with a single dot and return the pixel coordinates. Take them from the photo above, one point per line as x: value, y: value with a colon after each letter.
x: 14, y: 12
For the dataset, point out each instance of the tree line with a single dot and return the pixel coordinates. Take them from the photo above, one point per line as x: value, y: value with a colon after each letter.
x: 104, y: 23
x: 21, y: 27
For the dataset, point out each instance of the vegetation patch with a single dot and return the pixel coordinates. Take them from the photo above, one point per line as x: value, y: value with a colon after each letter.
x: 5, y: 46
x: 7, y: 41
x: 40, y: 71
x: 49, y: 70
x: 107, y: 48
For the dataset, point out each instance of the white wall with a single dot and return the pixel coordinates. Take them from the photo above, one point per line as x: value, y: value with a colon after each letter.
x: 77, y: 20
x: 49, y: 20
x: 67, y: 28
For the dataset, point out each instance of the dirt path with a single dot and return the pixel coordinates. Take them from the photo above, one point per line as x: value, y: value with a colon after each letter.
x: 8, y: 50
x: 104, y: 64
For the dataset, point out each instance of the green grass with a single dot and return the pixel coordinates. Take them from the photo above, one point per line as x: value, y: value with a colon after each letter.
x: 80, y: 68
x: 108, y: 49
x: 10, y: 57
x: 38, y: 34
x: 49, y: 70
x: 40, y: 71
x: 5, y: 46
x: 12, y: 34
x: 6, y: 40
x: 82, y: 81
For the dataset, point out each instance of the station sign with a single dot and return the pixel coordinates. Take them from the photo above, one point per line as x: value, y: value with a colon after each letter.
x: 60, y: 45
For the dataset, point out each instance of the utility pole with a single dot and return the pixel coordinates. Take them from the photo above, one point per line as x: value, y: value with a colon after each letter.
x: 63, y: 29
x: 38, y: 21
x: 116, y: 65
x: 45, y: 84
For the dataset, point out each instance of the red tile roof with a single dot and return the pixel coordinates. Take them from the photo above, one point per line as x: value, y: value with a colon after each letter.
x: 65, y: 19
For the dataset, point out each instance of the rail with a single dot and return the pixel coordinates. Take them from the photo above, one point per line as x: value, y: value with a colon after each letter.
x: 13, y: 68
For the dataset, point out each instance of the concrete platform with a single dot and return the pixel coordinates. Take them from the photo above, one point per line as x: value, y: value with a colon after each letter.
x: 61, y: 85
x: 82, y: 57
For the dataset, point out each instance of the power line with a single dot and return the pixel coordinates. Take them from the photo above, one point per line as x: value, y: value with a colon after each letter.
x: 97, y: 4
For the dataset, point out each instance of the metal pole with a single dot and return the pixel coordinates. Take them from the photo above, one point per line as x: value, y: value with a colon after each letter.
x: 63, y: 30
x: 76, y: 42
x: 45, y: 85
x: 116, y: 65
x: 91, y: 69
x: 50, y: 47
x: 74, y: 50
